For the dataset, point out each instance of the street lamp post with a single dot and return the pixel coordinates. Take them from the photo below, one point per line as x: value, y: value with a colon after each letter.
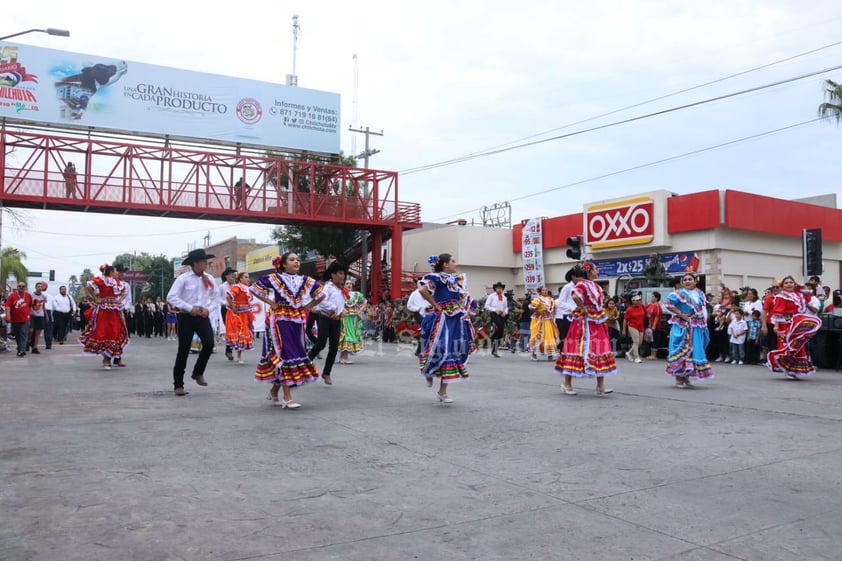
x: 48, y: 31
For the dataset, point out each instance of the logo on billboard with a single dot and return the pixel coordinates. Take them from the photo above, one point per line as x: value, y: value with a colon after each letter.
x: 13, y: 91
x: 249, y: 111
x: 77, y: 90
x: 629, y: 222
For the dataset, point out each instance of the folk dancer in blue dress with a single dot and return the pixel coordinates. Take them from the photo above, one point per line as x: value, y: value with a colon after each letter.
x: 447, y: 335
x: 290, y: 296
x: 689, y: 335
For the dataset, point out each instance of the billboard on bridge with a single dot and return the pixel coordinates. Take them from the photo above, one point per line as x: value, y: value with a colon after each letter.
x: 66, y: 89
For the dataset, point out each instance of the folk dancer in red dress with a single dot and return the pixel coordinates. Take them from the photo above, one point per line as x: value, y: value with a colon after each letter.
x: 794, y: 326
x: 239, y: 321
x: 106, y: 333
x: 587, y: 352
x: 290, y: 296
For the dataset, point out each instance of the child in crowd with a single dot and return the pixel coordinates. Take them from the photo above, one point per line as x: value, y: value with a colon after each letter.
x: 753, y: 338
x: 737, y: 330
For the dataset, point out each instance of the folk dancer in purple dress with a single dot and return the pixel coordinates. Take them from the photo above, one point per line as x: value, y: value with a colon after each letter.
x: 447, y: 335
x: 290, y: 296
x: 586, y: 351
x: 689, y: 335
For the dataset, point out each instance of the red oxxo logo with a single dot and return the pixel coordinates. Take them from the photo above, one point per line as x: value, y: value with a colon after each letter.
x: 629, y: 222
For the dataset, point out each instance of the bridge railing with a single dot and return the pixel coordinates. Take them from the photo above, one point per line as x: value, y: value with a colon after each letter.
x: 163, y: 180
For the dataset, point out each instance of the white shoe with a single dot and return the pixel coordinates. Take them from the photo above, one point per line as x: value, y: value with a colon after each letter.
x: 740, y: 362
x: 240, y: 362
x: 718, y: 360
x: 637, y: 361
x: 604, y: 391
x: 568, y: 391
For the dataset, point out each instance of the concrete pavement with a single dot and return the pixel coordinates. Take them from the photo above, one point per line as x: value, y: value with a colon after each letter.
x: 100, y: 465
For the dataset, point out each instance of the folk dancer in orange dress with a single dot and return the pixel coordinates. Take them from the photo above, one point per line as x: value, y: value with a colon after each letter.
x: 239, y: 321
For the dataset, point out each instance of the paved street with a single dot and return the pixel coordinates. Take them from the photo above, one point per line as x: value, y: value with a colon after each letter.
x: 108, y: 466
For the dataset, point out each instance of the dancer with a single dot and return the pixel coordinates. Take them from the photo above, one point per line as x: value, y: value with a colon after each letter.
x: 194, y: 294
x: 228, y: 280
x: 498, y: 308
x: 239, y: 320
x: 106, y: 333
x: 689, y: 335
x: 447, y: 334
x: 587, y: 351
x: 794, y: 326
x: 290, y: 295
x: 329, y: 315
x: 351, y: 341
x: 543, y: 331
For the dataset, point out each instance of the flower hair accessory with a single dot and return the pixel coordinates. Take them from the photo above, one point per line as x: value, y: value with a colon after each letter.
x: 276, y: 262
x: 103, y: 267
x: 433, y: 260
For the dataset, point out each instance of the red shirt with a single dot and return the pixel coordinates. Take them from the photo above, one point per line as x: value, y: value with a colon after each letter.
x: 19, y: 306
x: 654, y: 311
x: 634, y: 317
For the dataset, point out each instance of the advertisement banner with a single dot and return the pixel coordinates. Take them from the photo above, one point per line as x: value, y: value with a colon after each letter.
x: 674, y: 263
x: 533, y: 256
x: 66, y: 89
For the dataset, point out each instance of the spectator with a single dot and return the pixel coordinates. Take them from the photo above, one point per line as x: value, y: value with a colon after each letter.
x: 70, y: 180
x: 18, y: 308
x: 753, y: 340
x: 737, y: 330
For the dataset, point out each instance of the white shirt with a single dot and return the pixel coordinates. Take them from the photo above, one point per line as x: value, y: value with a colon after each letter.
x: 128, y: 304
x: 223, y: 293
x: 737, y: 326
x: 334, y: 301
x: 63, y: 304
x: 493, y: 303
x: 191, y: 290
x: 417, y: 303
x: 565, y: 304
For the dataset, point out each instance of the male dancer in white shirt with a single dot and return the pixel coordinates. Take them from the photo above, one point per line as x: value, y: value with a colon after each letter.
x: 565, y: 305
x: 194, y: 294
x: 418, y: 306
x: 498, y: 308
x: 328, y: 314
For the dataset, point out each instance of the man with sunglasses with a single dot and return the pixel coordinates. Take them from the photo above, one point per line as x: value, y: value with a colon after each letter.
x: 18, y: 308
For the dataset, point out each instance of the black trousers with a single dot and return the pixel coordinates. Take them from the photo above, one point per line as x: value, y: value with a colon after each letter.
x: 499, y: 323
x: 223, y: 311
x: 329, y: 332
x: 20, y: 331
x: 308, y: 329
x: 418, y: 319
x: 187, y: 325
x: 63, y: 323
x: 563, y: 325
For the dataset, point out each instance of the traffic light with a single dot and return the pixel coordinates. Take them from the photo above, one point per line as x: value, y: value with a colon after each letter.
x: 812, y: 252
x: 574, y: 247
x: 52, y: 275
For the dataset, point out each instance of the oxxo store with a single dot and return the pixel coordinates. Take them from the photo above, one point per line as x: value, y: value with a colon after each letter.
x: 730, y: 236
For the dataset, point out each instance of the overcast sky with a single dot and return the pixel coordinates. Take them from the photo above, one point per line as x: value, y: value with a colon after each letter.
x: 447, y: 79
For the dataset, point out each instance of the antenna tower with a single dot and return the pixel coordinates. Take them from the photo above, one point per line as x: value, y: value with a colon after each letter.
x: 292, y: 79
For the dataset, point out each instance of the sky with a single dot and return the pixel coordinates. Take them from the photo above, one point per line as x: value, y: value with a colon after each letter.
x: 446, y: 79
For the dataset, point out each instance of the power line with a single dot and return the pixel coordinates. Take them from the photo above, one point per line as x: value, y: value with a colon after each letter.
x: 662, y: 97
x: 646, y: 165
x: 621, y: 122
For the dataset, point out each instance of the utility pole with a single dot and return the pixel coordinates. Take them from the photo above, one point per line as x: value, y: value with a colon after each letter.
x: 368, y: 152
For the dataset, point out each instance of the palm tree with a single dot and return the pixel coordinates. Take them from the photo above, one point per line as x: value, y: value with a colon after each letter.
x: 11, y: 264
x: 832, y: 108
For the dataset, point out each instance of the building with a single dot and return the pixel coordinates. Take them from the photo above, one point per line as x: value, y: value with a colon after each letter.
x: 230, y: 253
x: 730, y: 236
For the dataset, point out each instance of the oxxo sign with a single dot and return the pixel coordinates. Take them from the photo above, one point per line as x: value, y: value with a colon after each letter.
x: 620, y: 223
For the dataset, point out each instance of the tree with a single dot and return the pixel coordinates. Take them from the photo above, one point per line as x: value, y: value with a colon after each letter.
x: 326, y: 242
x: 11, y: 264
x: 832, y: 108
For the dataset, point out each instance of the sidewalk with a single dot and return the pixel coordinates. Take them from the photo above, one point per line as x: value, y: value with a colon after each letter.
x: 99, y: 465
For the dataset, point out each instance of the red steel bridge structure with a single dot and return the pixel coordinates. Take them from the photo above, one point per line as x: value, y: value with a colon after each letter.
x: 154, y: 178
